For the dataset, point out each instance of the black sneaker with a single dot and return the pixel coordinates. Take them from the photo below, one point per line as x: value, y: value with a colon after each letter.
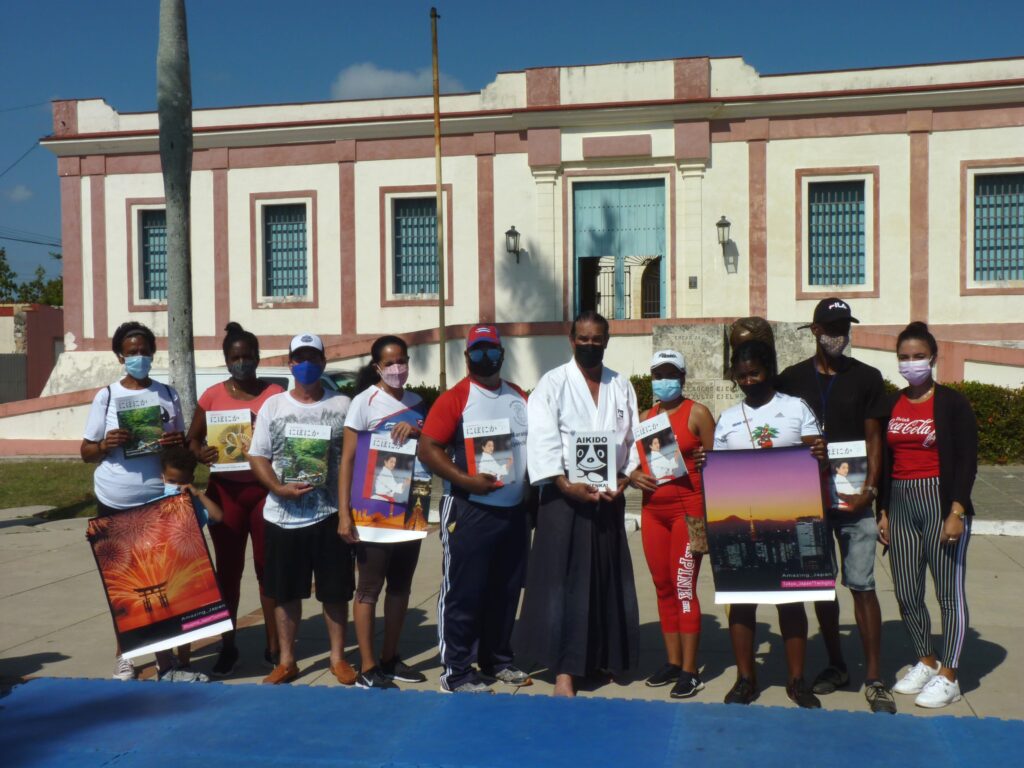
x: 801, y: 695
x: 396, y: 669
x: 829, y: 679
x: 686, y: 686
x: 374, y: 678
x: 227, y: 660
x: 879, y: 697
x: 667, y: 674
x: 272, y: 660
x: 743, y: 691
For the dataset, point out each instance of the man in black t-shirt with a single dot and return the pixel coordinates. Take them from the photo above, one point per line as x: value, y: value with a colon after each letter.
x: 847, y: 396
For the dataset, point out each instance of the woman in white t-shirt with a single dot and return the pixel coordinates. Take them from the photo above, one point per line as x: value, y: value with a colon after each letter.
x: 766, y: 419
x: 123, y: 482
x: 381, y: 404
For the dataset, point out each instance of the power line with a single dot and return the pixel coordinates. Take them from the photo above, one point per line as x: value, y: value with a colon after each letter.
x: 23, y: 106
x: 9, y: 167
x: 49, y: 243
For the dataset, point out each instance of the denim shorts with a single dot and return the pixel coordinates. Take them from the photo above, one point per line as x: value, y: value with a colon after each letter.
x: 857, y: 534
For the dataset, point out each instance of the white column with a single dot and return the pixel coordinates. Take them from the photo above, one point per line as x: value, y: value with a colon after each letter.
x: 549, y: 236
x: 689, y: 260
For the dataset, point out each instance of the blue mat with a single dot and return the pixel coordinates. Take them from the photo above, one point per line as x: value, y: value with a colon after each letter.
x: 106, y: 722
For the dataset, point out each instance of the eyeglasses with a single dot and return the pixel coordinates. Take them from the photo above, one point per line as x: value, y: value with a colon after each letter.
x: 477, y: 355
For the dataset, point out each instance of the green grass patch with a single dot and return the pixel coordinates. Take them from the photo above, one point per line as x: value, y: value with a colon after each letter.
x: 64, y: 485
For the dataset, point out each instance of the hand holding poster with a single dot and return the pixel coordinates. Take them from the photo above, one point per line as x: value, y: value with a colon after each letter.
x: 390, y: 490
x: 594, y: 460
x: 849, y: 470
x: 230, y: 432
x: 489, y: 449
x: 142, y: 416
x: 767, y: 537
x: 307, y: 447
x: 660, y: 456
x: 157, y: 575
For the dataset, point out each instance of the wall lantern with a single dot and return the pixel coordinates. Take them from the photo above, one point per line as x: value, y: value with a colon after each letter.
x: 730, y: 254
x: 723, y: 226
x: 512, y: 242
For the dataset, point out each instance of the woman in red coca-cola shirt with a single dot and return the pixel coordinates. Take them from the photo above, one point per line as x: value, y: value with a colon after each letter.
x: 925, y: 517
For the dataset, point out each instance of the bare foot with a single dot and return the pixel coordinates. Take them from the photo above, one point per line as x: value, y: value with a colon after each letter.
x: 564, y: 686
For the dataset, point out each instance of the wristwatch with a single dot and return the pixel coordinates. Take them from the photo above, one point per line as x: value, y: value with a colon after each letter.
x: 961, y: 514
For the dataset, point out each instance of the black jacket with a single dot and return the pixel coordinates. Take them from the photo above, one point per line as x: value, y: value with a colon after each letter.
x: 956, y: 434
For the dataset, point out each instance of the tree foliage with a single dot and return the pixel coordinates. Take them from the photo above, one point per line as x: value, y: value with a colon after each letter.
x: 38, y: 290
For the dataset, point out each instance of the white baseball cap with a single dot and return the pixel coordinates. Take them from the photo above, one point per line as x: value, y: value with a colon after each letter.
x: 669, y: 356
x: 306, y: 340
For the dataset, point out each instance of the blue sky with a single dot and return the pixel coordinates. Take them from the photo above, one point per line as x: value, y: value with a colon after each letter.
x: 256, y: 51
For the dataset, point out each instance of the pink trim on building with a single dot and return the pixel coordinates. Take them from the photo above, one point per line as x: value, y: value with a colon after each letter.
x: 256, y: 251
x: 604, y: 147
x: 966, y: 202
x: 133, y: 207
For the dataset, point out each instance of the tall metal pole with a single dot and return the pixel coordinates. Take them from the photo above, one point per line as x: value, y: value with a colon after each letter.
x: 442, y: 336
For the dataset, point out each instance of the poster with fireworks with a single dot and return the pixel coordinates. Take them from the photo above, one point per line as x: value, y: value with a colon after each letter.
x: 142, y: 416
x: 157, y: 575
x: 230, y: 432
x: 767, y: 538
x: 594, y: 460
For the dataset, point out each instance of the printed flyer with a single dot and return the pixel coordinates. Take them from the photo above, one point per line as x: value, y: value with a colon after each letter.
x: 767, y: 537
x: 306, y: 451
x: 230, y: 432
x: 659, y: 452
x: 849, y: 463
x: 489, y: 449
x: 594, y: 460
x: 157, y: 575
x: 141, y: 415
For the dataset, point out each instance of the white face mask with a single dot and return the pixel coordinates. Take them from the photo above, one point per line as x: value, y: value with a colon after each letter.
x: 916, y: 372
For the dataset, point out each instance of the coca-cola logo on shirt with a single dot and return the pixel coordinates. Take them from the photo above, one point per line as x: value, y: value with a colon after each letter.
x: 900, y: 425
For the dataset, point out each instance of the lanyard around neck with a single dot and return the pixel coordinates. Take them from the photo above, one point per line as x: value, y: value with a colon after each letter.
x: 823, y: 394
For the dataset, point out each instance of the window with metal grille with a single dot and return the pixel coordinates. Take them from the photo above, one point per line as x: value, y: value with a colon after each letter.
x: 835, y: 233
x: 414, y: 232
x: 999, y: 226
x: 284, y: 249
x: 153, y: 230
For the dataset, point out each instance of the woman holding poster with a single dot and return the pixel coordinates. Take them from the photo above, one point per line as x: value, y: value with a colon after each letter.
x: 127, y: 478
x: 220, y: 435
x: 665, y: 529
x: 381, y: 405
x: 766, y: 419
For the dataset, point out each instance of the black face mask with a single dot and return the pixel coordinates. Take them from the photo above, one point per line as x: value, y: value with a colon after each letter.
x: 485, y: 367
x: 589, y: 355
x: 243, y: 370
x: 757, y: 392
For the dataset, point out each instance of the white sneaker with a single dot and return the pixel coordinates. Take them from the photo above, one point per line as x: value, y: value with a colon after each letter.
x: 124, y: 669
x: 916, y: 679
x: 939, y: 692
x: 181, y: 675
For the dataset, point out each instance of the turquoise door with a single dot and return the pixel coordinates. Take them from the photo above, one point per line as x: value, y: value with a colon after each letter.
x: 616, y: 225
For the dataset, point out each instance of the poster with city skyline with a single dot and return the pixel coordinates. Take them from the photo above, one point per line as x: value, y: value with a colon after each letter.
x: 767, y: 537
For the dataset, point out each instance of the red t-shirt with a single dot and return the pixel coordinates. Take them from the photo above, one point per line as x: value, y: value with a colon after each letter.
x: 217, y: 398
x: 911, y: 438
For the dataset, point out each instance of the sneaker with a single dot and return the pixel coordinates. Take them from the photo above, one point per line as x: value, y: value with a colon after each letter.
x: 282, y: 674
x: 271, y: 659
x: 510, y: 675
x: 829, y: 679
x: 344, y: 673
x: 181, y: 675
x: 916, y: 678
x: 473, y: 685
x: 374, y: 678
x: 801, y: 695
x: 124, y: 669
x: 226, y: 662
x: 669, y: 673
x: 396, y: 669
x: 687, y: 686
x: 938, y: 692
x: 879, y: 697
x: 743, y: 691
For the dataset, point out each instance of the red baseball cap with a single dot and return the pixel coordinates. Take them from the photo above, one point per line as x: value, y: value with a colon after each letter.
x: 479, y: 334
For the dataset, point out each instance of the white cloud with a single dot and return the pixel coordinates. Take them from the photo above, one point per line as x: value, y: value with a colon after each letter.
x: 18, y: 193
x: 368, y: 81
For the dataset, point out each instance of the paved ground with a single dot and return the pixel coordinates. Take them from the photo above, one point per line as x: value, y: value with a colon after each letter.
x: 54, y: 620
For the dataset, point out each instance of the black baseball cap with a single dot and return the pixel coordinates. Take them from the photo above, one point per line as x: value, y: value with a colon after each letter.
x: 829, y: 310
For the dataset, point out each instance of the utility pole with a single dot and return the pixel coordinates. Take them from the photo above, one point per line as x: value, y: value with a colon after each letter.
x: 442, y: 335
x: 174, y: 108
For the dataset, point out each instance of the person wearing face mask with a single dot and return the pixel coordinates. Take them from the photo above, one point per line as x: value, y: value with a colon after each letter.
x: 121, y: 482
x: 382, y: 404
x: 926, y: 512
x: 483, y: 521
x: 848, y: 399
x: 238, y: 493
x: 664, y: 528
x: 580, y: 615
x: 301, y: 516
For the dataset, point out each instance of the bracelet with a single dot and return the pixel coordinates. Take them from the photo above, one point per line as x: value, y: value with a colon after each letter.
x: 872, y: 490
x: 961, y: 514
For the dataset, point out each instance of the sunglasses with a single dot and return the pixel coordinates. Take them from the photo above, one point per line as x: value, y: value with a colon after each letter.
x: 478, y: 355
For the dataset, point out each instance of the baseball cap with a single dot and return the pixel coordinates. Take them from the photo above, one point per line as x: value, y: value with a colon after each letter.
x: 479, y: 334
x: 306, y: 340
x: 669, y: 356
x: 829, y: 310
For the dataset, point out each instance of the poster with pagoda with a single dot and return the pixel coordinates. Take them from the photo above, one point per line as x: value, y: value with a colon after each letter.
x: 767, y: 537
x: 157, y: 576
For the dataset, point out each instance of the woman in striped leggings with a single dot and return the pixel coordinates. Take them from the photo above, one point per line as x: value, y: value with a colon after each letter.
x: 926, y: 511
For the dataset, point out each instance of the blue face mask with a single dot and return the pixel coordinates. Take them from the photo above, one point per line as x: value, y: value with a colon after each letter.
x: 171, y: 488
x: 137, y: 366
x: 307, y: 373
x: 667, y: 390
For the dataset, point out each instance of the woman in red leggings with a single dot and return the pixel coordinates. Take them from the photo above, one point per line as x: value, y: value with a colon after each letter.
x: 237, y: 492
x: 664, y: 530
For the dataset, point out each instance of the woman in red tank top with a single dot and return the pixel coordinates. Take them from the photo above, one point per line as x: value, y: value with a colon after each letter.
x: 664, y: 530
